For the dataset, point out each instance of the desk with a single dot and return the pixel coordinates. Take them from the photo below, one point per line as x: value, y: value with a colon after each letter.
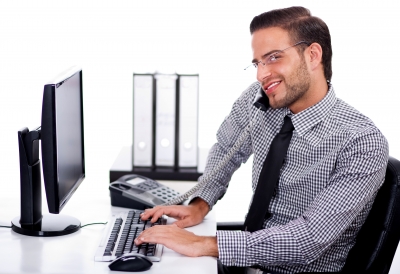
x: 74, y: 253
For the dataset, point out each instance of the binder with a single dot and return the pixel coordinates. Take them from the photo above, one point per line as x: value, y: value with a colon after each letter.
x: 165, y: 120
x: 143, y: 129
x: 188, y: 95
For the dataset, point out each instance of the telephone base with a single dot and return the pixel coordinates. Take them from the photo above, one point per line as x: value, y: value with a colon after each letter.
x: 118, y: 200
x: 187, y: 174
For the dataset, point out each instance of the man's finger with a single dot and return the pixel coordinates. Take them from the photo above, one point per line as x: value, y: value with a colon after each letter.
x: 156, y: 212
x: 148, y: 212
x: 153, y: 234
x: 153, y: 213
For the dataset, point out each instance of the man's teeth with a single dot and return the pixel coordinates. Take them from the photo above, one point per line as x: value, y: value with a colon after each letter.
x: 274, y: 84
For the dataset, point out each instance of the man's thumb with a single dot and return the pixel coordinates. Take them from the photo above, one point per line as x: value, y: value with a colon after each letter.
x: 183, y: 223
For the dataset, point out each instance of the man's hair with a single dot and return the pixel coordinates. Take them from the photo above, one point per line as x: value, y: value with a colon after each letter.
x: 301, y: 26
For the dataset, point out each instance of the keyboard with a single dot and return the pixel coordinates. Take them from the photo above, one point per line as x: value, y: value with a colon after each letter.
x: 119, y: 234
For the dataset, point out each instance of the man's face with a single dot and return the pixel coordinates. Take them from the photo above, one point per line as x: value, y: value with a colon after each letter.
x: 285, y: 79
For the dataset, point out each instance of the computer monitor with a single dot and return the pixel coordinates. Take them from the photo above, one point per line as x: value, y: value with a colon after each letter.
x: 63, y: 158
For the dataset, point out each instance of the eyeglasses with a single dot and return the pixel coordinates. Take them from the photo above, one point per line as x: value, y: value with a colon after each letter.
x: 273, y: 57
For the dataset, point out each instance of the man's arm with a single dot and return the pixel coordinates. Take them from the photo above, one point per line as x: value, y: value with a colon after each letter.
x: 230, y: 130
x: 204, y: 199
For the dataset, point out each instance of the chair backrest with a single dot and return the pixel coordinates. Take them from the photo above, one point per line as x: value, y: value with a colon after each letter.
x: 379, y: 236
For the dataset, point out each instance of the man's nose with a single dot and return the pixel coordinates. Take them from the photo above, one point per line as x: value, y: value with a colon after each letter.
x: 263, y: 72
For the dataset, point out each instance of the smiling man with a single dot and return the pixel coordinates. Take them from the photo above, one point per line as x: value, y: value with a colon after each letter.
x: 332, y: 165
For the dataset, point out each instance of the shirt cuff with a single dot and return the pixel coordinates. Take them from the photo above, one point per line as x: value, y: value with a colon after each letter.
x: 232, y: 247
x: 210, y: 197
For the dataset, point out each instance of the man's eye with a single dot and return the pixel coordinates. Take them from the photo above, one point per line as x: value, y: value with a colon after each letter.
x: 273, y: 58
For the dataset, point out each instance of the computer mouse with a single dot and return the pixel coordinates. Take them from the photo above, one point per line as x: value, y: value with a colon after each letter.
x: 131, y: 263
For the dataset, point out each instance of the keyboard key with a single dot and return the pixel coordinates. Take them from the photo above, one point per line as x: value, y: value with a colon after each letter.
x: 142, y: 249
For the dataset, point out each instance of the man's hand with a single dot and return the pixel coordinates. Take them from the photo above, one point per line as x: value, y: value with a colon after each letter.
x: 179, y: 240
x: 186, y: 216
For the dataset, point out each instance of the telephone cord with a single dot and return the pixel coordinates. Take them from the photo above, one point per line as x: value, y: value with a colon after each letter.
x: 205, y: 178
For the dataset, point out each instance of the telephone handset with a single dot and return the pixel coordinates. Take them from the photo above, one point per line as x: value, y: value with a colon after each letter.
x: 139, y: 192
x: 135, y: 191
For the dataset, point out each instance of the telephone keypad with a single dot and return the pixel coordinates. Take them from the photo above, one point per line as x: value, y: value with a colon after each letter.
x: 160, y: 191
x: 165, y: 193
x: 145, y: 186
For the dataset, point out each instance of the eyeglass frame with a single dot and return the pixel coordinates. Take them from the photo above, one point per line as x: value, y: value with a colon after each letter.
x: 269, y: 56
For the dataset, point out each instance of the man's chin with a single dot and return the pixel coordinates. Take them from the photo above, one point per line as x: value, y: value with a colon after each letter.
x: 275, y: 104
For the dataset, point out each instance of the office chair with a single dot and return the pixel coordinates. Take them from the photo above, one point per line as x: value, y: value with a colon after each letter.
x: 378, y: 238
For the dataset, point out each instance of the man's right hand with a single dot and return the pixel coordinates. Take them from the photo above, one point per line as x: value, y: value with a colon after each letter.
x: 186, y: 216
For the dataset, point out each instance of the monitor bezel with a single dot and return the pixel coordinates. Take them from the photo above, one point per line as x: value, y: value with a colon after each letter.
x: 49, y: 142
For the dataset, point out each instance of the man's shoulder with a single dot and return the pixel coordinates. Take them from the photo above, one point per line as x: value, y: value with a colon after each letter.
x: 346, y: 115
x: 354, y: 123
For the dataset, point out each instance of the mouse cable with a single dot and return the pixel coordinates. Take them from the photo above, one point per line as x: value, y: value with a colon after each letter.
x: 3, y: 226
x: 94, y: 224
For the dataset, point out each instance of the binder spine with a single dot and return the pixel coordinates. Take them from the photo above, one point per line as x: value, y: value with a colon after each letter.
x: 143, y: 120
x: 188, y: 95
x: 165, y: 120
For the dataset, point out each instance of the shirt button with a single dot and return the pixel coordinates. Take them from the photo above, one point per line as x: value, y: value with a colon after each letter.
x: 233, y: 261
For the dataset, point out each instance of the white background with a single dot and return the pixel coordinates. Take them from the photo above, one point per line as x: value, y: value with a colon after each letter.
x: 112, y: 39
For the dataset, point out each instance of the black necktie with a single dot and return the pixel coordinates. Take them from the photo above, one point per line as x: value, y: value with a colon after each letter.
x: 269, y: 177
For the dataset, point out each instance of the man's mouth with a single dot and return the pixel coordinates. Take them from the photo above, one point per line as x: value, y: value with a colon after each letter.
x: 271, y: 87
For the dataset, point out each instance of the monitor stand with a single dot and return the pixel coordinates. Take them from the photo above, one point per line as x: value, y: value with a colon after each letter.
x: 31, y: 222
x: 49, y: 225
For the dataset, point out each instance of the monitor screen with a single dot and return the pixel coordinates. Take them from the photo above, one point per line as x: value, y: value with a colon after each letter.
x: 62, y: 138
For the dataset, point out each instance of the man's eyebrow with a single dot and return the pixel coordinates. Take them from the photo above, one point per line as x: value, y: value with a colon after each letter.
x: 265, y: 55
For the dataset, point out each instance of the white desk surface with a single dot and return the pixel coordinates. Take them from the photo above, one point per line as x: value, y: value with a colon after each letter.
x: 74, y: 253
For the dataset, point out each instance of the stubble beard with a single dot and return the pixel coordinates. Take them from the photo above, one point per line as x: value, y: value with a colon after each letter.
x: 297, y: 85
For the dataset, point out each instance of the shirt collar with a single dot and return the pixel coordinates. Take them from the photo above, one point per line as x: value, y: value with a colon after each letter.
x: 308, y: 118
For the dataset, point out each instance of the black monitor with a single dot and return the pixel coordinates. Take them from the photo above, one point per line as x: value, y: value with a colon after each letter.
x: 63, y: 159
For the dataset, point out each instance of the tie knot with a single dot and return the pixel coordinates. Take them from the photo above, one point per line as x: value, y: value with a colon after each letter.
x: 287, y: 125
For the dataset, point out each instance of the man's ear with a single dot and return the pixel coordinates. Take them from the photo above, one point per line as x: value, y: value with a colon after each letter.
x: 314, y: 54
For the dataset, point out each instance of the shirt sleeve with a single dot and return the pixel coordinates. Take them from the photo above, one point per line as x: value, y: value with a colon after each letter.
x: 359, y: 173
x: 228, y: 133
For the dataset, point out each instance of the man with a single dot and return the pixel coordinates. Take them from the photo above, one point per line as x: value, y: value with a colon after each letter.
x: 332, y: 170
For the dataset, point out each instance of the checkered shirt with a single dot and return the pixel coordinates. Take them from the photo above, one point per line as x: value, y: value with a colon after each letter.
x: 334, y: 166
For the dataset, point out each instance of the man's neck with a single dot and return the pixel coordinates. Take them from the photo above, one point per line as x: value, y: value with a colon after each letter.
x: 314, y: 95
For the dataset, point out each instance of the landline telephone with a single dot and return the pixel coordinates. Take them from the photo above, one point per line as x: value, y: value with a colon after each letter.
x: 139, y: 192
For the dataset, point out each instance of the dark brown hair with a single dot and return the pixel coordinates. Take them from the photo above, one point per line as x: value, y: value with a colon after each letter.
x: 301, y: 26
